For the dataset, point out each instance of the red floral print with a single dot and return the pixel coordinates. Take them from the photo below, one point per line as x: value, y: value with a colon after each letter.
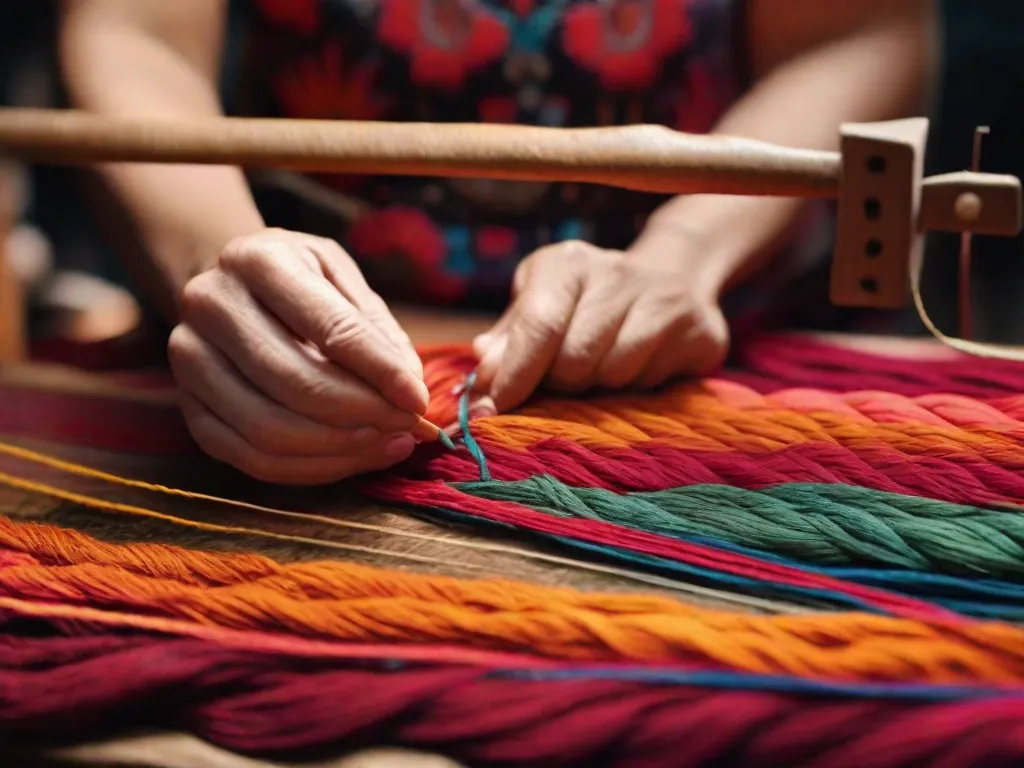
x: 406, y: 251
x: 498, y: 109
x: 301, y: 16
x: 495, y: 243
x: 326, y: 86
x: 446, y: 40
x: 625, y: 41
x: 702, y: 100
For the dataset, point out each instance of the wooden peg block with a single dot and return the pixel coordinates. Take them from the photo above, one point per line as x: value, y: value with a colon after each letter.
x: 879, y: 199
x: 966, y: 201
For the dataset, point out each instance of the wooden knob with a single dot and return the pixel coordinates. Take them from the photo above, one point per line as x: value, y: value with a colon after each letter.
x: 968, y: 207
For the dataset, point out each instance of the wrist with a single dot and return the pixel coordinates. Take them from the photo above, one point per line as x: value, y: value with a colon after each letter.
x: 720, y: 240
x: 679, y: 245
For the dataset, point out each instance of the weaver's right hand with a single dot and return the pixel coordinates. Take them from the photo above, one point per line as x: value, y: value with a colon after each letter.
x: 290, y: 368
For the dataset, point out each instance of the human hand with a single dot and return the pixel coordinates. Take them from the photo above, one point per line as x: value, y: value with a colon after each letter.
x: 290, y: 368
x: 584, y: 317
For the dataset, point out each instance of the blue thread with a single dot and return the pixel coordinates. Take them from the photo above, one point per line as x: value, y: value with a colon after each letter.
x: 778, y: 683
x: 467, y: 437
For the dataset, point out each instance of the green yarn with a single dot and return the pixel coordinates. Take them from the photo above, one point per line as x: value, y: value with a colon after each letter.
x: 822, y: 524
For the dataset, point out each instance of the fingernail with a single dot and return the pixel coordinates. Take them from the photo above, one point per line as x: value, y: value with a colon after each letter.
x: 399, y: 446
x: 482, y: 408
x: 414, y: 397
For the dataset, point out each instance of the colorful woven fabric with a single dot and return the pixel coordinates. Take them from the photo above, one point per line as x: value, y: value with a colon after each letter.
x: 884, y: 495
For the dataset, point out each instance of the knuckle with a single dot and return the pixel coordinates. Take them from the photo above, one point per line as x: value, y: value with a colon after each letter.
x: 577, y: 254
x: 200, y: 295
x: 182, y: 347
x: 341, y: 331
x: 540, y: 321
x: 314, y: 396
x: 249, y: 253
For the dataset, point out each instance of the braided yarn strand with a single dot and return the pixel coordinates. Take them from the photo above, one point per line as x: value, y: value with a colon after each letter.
x: 821, y: 524
x: 290, y: 708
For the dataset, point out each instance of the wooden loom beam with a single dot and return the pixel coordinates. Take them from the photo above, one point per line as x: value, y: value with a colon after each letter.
x: 884, y: 203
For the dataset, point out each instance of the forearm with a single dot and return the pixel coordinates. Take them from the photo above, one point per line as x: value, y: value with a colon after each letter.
x: 880, y: 73
x: 183, y: 215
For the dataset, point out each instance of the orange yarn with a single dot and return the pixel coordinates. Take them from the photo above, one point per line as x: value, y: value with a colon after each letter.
x: 697, y: 418
x: 342, y: 601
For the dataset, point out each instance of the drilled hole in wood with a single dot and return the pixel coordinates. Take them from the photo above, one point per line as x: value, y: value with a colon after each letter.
x: 872, y: 208
x: 869, y: 284
x: 876, y: 164
x: 873, y: 247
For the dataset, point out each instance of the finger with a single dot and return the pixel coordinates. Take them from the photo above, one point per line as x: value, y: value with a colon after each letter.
x: 485, y: 341
x: 346, y: 277
x: 207, y: 375
x: 223, y: 443
x: 594, y: 327
x: 277, y: 364
x: 311, y: 306
x: 691, y: 347
x: 636, y: 342
x: 542, y: 315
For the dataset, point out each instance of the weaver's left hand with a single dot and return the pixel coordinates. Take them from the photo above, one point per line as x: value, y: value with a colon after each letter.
x: 585, y: 317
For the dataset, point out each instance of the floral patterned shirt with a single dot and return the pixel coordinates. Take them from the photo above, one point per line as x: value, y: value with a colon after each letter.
x: 537, y: 62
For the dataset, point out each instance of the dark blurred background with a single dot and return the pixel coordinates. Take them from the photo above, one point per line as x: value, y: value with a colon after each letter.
x: 982, y: 83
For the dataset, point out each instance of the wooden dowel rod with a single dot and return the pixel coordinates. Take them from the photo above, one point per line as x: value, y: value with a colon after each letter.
x: 641, y: 157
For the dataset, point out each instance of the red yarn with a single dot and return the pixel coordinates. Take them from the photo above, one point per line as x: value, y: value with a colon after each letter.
x: 104, y: 423
x: 771, y: 362
x: 62, y: 690
x: 653, y: 466
x: 436, y: 495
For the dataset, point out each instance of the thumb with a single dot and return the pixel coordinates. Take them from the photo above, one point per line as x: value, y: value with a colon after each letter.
x: 486, y: 340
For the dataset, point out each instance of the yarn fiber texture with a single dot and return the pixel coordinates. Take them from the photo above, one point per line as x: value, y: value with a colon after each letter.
x: 885, y: 495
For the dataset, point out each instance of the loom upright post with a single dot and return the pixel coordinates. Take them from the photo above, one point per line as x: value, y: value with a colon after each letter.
x: 12, y: 303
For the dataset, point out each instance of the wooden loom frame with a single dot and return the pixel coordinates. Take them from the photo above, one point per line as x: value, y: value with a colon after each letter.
x: 885, y: 205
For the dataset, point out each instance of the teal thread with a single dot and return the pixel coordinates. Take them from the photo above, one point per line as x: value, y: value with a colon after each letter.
x: 467, y: 436
x: 821, y: 524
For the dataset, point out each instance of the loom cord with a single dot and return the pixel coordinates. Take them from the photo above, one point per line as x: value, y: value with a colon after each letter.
x: 271, y: 707
x: 820, y: 524
x: 342, y: 601
x: 650, y: 579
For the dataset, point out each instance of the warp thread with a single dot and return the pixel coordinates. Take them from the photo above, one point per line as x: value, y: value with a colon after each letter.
x: 292, y: 708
